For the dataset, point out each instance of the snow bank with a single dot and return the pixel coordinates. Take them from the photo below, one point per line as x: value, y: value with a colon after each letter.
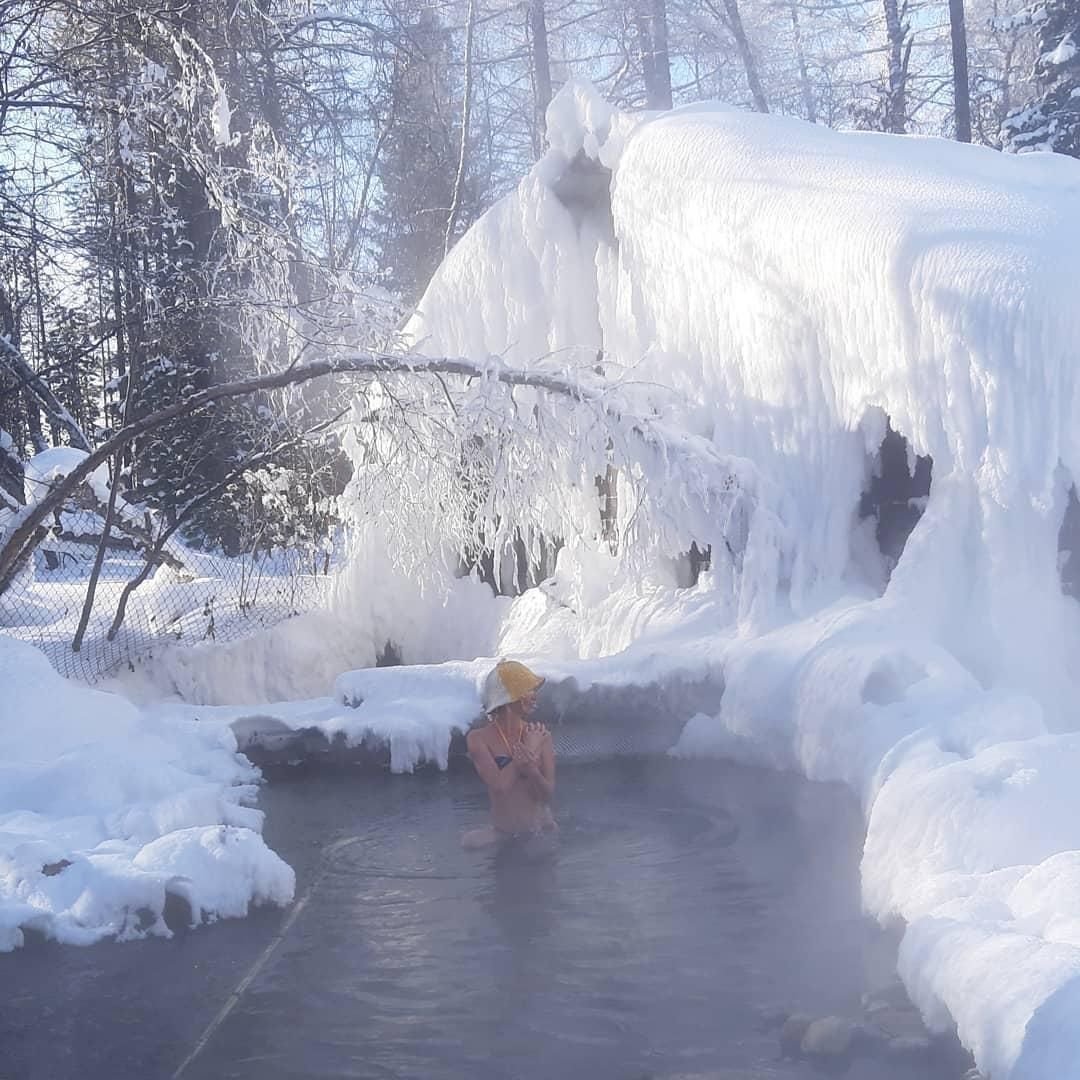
x: 793, y: 287
x: 611, y: 657
x: 416, y: 710
x: 412, y: 710
x: 297, y: 658
x: 943, y: 301
x: 104, y: 810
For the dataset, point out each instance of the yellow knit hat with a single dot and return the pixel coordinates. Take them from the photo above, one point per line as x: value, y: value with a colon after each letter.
x: 508, y: 681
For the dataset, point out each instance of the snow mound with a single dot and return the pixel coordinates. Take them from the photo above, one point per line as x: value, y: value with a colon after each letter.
x: 373, y: 608
x: 103, y: 810
x: 220, y: 871
x: 414, y: 710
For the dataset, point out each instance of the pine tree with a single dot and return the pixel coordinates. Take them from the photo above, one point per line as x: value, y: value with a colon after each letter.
x: 1052, y: 121
x: 191, y: 171
x: 71, y: 365
x: 419, y: 160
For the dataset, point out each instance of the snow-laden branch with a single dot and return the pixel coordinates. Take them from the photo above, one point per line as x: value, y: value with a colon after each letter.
x: 480, y: 468
x: 679, y: 469
x: 28, y: 378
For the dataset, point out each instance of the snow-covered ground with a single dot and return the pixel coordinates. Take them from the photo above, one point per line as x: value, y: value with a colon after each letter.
x: 199, y: 597
x: 788, y: 288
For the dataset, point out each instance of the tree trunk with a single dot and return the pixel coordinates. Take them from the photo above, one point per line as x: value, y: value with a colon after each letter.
x: 35, y: 389
x: 10, y: 314
x: 301, y: 275
x: 129, y: 313
x: 746, y: 54
x: 651, y: 23
x: 39, y: 311
x: 961, y: 93
x: 466, y: 114
x: 607, y: 487
x: 35, y: 393
x: 661, y: 59
x: 899, y: 51
x: 12, y: 481
x: 804, y: 75
x: 99, y: 560
x: 541, y: 72
x: 11, y: 467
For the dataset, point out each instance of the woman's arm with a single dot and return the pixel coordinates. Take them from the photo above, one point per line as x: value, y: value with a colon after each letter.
x: 539, y: 768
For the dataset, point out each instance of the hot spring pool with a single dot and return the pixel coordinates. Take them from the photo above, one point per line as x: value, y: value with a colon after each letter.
x: 686, y: 909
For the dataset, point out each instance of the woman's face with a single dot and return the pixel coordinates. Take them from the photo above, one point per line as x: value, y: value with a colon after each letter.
x: 527, y: 702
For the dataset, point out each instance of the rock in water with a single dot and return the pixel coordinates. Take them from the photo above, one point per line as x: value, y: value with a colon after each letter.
x: 791, y: 1034
x: 909, y: 1047
x: 830, y: 1037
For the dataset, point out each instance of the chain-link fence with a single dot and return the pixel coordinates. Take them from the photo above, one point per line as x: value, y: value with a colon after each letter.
x: 194, y: 597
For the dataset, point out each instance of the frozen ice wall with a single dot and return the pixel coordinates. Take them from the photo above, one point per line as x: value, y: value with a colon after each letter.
x: 793, y: 282
x: 794, y: 286
x: 523, y: 282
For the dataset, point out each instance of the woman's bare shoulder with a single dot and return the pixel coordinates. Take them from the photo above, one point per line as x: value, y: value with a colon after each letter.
x: 476, y: 738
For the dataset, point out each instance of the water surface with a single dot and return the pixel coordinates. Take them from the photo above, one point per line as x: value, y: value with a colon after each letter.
x: 683, y: 901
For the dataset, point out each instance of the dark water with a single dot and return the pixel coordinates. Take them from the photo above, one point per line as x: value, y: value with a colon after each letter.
x: 682, y: 901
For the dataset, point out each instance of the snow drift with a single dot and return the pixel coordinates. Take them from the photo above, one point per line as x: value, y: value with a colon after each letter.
x: 798, y: 290
x: 104, y: 810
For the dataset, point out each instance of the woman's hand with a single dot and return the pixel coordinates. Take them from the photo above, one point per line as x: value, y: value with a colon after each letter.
x: 530, y: 749
x: 538, y: 757
x: 532, y: 738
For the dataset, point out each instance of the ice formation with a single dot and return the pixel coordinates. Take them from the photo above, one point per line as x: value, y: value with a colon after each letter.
x: 798, y: 289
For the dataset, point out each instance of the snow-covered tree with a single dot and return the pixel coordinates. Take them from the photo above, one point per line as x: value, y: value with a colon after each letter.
x: 72, y: 361
x: 1001, y: 55
x: 1052, y: 121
